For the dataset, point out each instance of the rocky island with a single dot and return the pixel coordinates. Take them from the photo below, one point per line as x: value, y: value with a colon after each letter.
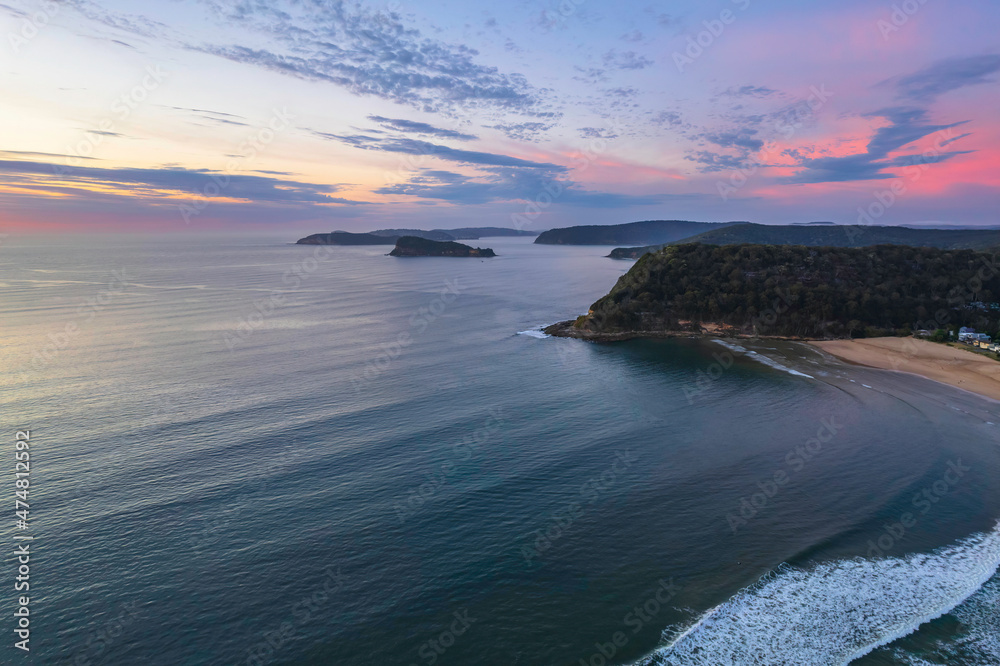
x: 797, y: 292
x: 414, y: 246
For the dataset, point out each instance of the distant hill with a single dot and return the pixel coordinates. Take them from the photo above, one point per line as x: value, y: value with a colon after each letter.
x: 472, y: 233
x: 435, y: 234
x: 792, y: 290
x: 390, y: 236
x: 346, y: 238
x: 464, y: 233
x: 642, y: 233
x: 831, y: 236
x: 414, y: 246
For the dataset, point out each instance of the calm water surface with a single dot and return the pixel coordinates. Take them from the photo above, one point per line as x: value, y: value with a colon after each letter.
x: 245, y: 455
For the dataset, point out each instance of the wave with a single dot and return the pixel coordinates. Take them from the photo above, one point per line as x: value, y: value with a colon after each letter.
x: 838, y: 611
x: 978, y: 637
x: 535, y: 333
x: 731, y: 346
x: 760, y: 358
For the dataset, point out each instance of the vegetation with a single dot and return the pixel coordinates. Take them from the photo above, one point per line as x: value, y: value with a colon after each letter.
x: 345, y: 238
x: 830, y: 236
x: 804, y: 292
x: 473, y: 233
x: 390, y: 236
x: 436, y: 234
x: 648, y: 232
x: 939, y: 335
x: 414, y: 246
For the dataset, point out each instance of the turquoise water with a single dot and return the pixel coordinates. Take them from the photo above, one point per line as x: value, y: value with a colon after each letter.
x: 247, y: 453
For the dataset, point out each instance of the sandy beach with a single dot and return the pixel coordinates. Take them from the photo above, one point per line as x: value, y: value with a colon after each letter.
x: 957, y: 367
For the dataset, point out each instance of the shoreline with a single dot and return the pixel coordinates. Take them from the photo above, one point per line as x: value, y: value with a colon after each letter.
x: 566, y: 329
x: 931, y: 360
x: 937, y: 362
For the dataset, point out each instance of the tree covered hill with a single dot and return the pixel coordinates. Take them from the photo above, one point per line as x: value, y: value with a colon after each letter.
x: 414, y: 246
x: 645, y: 233
x: 799, y: 291
x: 831, y: 236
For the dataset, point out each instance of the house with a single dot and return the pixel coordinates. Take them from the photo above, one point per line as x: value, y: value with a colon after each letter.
x: 981, y: 337
x: 965, y: 333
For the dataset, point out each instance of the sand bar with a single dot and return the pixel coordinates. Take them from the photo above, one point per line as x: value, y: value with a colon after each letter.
x: 948, y: 365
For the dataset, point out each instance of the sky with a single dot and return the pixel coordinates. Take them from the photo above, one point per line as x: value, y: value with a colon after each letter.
x: 310, y: 115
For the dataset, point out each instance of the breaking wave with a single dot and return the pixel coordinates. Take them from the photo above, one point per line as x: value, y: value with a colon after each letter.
x: 760, y: 358
x: 838, y: 611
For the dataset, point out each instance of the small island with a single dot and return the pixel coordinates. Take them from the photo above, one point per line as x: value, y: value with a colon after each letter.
x: 414, y: 246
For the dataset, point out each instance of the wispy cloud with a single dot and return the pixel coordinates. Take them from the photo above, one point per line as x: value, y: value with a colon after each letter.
x: 527, y: 131
x: 418, y: 147
x: 615, y: 59
x: 163, y: 183
x: 944, y: 76
x: 371, y: 53
x: 416, y: 127
x: 597, y: 133
x: 739, y: 145
x: 906, y: 125
x: 749, y: 91
x: 506, y: 184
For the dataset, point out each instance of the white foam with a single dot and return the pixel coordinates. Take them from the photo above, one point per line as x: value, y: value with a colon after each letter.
x: 535, y: 333
x: 732, y: 346
x: 977, y: 638
x: 980, y: 616
x: 770, y: 362
x: 838, y: 611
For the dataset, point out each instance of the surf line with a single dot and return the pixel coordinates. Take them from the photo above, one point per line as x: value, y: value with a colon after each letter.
x: 795, y: 460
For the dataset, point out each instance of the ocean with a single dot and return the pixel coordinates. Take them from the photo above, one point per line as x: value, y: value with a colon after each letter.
x: 245, y: 451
